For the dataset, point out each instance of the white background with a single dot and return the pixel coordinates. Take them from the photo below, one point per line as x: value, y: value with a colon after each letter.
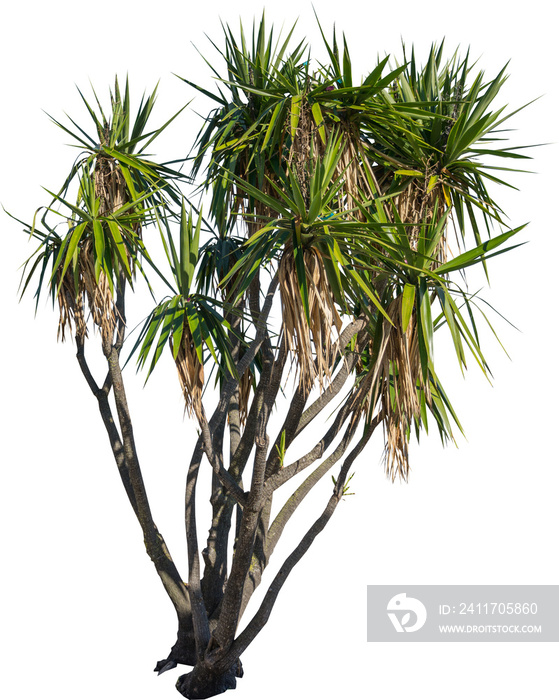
x: 83, y: 613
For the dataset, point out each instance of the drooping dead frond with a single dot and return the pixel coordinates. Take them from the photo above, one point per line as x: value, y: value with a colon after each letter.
x: 311, y: 342
x: 394, y: 378
x: 245, y: 388
x: 402, y: 382
x: 99, y: 295
x: 71, y: 307
x: 191, y: 372
x: 78, y: 285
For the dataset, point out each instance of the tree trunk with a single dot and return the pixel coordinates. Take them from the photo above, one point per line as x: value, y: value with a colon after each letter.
x: 204, y: 682
x: 183, y: 650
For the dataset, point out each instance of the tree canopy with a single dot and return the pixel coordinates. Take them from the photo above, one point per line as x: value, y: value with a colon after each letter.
x: 316, y: 238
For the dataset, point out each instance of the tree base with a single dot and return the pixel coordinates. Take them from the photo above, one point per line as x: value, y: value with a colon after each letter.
x: 202, y: 683
x: 182, y: 652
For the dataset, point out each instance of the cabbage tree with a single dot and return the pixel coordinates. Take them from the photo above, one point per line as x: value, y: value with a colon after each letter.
x: 356, y: 207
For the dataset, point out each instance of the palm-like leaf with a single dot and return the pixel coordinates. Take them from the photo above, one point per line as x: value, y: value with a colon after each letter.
x: 188, y: 321
x: 191, y: 326
x: 450, y: 144
x: 118, y: 194
x: 342, y: 190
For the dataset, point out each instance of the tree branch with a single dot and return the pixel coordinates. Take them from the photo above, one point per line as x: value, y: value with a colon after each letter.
x: 264, y: 400
x: 155, y: 544
x: 281, y: 477
x: 225, y: 478
x: 106, y: 415
x: 289, y: 428
x: 244, y: 363
x: 341, y: 377
x: 304, y: 489
x: 261, y: 617
x: 199, y: 613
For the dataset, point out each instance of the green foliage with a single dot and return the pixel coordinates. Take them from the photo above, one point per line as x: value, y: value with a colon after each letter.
x: 342, y: 190
x: 119, y: 192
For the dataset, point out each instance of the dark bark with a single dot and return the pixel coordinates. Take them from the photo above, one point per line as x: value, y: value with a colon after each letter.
x: 183, y: 650
x: 288, y: 429
x: 204, y: 682
x: 230, y: 609
x: 261, y: 617
x: 216, y: 551
x: 252, y: 531
x: 291, y: 470
x: 267, y: 537
x: 215, y: 458
x: 230, y: 481
x: 154, y: 542
x: 276, y: 529
x: 126, y: 458
x: 102, y: 396
x: 199, y: 611
x: 209, y: 608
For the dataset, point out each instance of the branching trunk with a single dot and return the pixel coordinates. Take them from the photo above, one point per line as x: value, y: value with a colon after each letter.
x: 216, y: 551
x: 209, y: 608
x: 232, y: 601
x: 199, y: 612
x: 261, y: 617
x: 155, y: 544
x: 126, y: 458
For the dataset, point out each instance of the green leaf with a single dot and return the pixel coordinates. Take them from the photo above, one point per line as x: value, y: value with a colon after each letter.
x: 178, y: 328
x: 426, y: 319
x: 408, y: 299
x: 72, y: 248
x: 319, y: 121
x: 369, y: 291
x: 186, y: 268
x: 411, y: 173
x: 194, y: 323
x: 432, y: 182
x: 272, y: 124
x: 149, y: 332
x: 119, y: 245
x: 424, y: 328
x: 471, y: 257
x: 166, y: 331
x: 99, y: 247
x: 348, y: 82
